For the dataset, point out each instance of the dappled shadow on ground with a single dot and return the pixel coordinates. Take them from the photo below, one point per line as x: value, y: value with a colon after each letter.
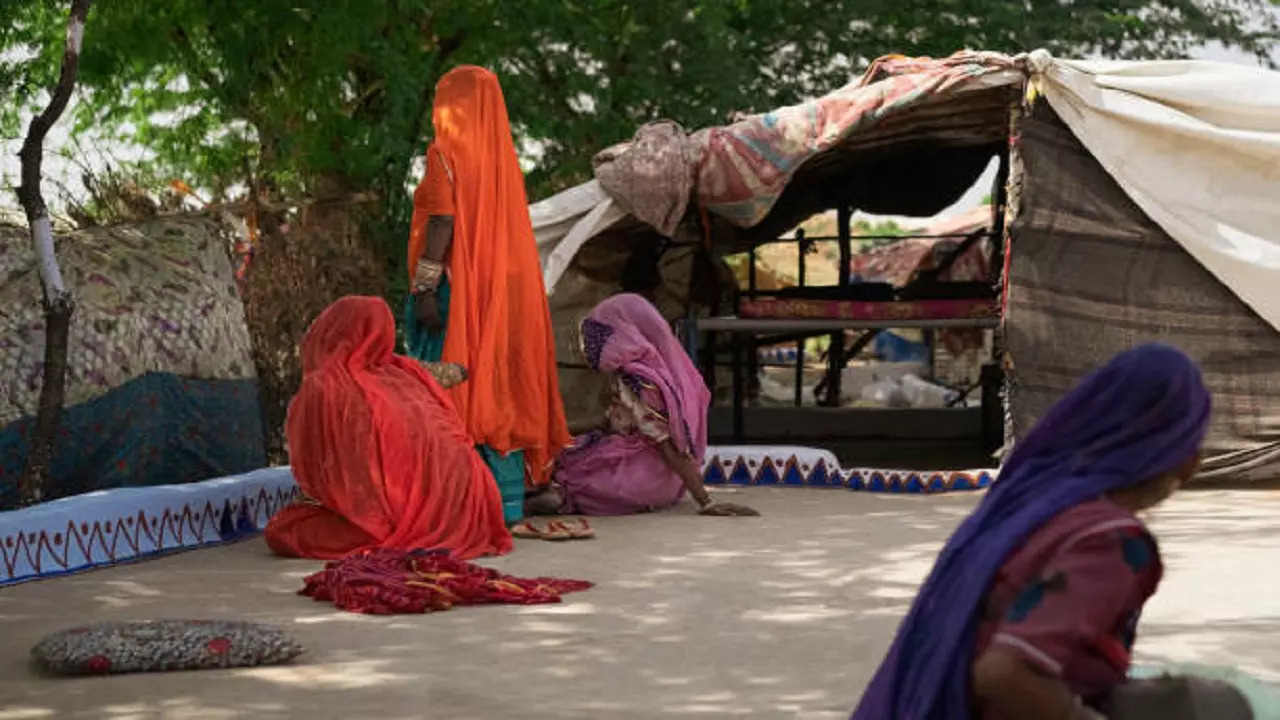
x: 1248, y: 645
x: 1239, y: 517
x: 711, y: 617
x: 1218, y: 602
x: 779, y: 616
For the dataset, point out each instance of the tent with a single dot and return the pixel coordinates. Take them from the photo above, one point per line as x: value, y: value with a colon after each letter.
x: 161, y: 386
x: 1140, y: 206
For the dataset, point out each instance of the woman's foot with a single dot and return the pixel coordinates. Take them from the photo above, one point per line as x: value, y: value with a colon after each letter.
x: 544, y: 502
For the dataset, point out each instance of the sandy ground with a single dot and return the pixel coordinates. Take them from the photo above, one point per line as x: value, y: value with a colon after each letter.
x: 780, y: 616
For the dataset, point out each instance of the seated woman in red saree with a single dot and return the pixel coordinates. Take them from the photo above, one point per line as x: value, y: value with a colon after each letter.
x: 379, y: 451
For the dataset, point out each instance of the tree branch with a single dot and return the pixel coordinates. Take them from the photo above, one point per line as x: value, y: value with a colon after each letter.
x: 58, y: 304
x: 32, y: 153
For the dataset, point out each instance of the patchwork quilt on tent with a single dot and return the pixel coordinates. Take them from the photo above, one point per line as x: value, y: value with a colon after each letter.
x: 748, y: 164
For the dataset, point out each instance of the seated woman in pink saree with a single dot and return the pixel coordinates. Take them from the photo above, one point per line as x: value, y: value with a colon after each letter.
x: 647, y: 450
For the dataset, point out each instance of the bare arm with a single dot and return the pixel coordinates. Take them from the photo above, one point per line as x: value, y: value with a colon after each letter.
x: 439, y: 237
x: 431, y: 265
x: 430, y: 271
x: 433, y: 224
x: 684, y: 467
x: 1003, y: 682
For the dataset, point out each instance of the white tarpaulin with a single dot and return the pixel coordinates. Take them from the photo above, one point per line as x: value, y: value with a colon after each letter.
x: 1196, y: 145
x: 563, y: 223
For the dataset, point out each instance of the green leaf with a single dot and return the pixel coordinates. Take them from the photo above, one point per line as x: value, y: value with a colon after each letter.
x: 303, y: 97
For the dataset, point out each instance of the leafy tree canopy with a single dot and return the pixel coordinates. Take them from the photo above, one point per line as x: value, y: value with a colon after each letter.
x: 326, y: 96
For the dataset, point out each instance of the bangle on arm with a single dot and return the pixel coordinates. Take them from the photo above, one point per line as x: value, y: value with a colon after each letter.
x: 426, y: 278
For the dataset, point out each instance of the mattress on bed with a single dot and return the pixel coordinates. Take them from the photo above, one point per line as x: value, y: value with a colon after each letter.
x: 826, y: 309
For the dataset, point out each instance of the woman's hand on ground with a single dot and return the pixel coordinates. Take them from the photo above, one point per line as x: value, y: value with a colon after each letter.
x: 426, y: 310
x: 724, y: 509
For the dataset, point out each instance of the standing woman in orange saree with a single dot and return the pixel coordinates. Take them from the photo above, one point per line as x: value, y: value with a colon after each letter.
x: 476, y: 292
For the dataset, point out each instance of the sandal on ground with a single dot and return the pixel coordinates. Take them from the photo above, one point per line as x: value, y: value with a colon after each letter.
x: 578, y: 528
x: 532, y: 530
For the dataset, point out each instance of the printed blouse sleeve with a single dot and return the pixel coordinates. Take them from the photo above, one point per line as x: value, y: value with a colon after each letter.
x: 632, y: 412
x: 1081, y: 599
x: 653, y: 423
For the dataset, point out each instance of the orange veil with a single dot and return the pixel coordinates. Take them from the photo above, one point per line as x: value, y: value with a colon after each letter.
x: 499, y: 325
x: 377, y: 442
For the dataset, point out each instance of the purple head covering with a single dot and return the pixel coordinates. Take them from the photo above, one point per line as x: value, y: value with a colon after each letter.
x: 1141, y: 415
x: 625, y: 334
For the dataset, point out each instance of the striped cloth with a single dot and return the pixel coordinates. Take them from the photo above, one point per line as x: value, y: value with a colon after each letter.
x: 1091, y: 275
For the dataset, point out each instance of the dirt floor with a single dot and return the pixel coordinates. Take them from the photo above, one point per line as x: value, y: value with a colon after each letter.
x: 780, y: 616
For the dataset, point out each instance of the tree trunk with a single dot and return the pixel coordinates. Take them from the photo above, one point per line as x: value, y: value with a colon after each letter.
x: 58, y: 304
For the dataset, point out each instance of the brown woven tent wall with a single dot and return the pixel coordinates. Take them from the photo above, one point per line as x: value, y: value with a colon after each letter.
x: 1092, y: 275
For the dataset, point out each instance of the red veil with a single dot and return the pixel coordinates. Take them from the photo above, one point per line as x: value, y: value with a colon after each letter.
x: 377, y: 444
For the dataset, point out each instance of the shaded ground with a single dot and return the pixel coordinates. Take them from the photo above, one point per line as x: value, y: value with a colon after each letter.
x: 781, y: 616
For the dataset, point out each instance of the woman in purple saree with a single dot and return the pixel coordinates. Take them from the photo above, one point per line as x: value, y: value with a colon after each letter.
x: 647, y: 450
x: 1032, y: 607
